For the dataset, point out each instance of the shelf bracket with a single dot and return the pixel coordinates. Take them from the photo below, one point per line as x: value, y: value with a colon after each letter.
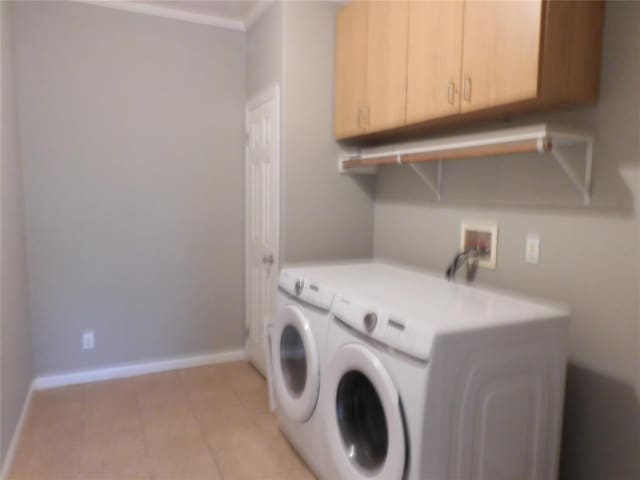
x: 435, y: 185
x: 582, y: 184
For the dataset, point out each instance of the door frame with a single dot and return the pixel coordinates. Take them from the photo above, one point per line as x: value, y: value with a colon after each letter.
x: 263, y: 96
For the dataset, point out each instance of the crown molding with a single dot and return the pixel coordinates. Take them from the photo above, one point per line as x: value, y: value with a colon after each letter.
x: 172, y: 13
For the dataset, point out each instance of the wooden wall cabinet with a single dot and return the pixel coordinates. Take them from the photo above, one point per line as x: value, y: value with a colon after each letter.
x: 351, y: 70
x: 501, y: 48
x: 408, y: 67
x: 371, y: 67
x: 386, y: 65
x: 434, y: 59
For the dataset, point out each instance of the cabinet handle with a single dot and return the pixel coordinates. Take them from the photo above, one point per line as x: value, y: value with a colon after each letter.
x: 359, y: 118
x: 467, y: 89
x: 365, y: 117
x: 451, y: 93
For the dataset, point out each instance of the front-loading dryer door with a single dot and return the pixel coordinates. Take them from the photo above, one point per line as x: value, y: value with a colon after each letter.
x: 364, y: 421
x: 296, y: 375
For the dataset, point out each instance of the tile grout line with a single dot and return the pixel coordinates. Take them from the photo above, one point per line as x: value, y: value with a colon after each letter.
x: 191, y: 389
x: 150, y: 471
x: 200, y: 429
x: 83, y: 432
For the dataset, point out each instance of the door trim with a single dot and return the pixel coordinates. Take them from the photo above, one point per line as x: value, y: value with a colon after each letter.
x: 263, y: 96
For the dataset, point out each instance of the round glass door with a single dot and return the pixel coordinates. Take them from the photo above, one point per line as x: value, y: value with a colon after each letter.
x: 296, y: 372
x: 293, y: 359
x: 362, y: 422
x: 365, y: 429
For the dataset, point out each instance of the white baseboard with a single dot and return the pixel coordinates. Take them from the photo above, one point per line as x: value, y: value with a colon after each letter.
x: 133, y: 369
x: 15, y: 438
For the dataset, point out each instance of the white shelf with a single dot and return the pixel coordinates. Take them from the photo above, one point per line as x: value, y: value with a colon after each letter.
x: 540, y: 138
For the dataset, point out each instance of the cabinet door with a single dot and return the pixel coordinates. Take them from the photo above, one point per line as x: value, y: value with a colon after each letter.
x: 351, y: 70
x: 435, y: 57
x: 501, y: 49
x: 387, y: 65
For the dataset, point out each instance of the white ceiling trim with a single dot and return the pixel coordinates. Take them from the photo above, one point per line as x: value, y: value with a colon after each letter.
x: 164, y: 12
x: 257, y: 12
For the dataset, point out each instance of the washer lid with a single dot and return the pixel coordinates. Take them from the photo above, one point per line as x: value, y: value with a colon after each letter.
x: 365, y: 429
x: 296, y: 365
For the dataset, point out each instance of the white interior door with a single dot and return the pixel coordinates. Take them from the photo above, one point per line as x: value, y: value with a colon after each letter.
x: 262, y: 171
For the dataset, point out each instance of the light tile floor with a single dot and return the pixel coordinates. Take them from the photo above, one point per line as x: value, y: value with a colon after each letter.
x: 205, y: 423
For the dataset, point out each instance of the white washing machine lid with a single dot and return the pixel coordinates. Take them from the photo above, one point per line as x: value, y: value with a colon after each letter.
x: 296, y: 364
x: 365, y: 429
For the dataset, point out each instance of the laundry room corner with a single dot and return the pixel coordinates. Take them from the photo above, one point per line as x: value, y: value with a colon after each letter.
x: 320, y: 240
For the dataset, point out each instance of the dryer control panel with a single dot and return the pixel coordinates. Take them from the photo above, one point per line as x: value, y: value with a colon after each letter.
x: 396, y: 331
x: 312, y: 293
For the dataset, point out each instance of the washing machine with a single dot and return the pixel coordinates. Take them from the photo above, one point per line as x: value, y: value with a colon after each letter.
x: 428, y: 380
x: 297, y: 352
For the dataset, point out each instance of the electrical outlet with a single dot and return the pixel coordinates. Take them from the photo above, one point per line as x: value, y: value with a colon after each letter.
x: 88, y: 340
x: 532, y: 254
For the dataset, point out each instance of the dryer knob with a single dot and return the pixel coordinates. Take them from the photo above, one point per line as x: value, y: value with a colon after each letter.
x: 299, y: 286
x: 370, y: 321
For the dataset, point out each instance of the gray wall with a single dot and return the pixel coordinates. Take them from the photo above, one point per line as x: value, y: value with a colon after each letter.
x: 326, y: 216
x: 589, y: 257
x: 15, y: 350
x: 132, y: 142
x: 265, y: 51
x: 264, y: 68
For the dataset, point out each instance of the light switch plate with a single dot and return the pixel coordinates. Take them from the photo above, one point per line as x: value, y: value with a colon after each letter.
x: 532, y: 253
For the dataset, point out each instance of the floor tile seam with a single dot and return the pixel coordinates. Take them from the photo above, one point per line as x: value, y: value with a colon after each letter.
x: 200, y: 430
x: 204, y: 438
x: 150, y: 470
